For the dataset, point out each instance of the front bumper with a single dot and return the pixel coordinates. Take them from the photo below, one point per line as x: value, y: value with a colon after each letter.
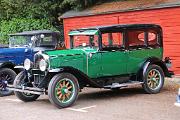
x: 24, y: 89
x: 168, y: 64
x: 171, y: 74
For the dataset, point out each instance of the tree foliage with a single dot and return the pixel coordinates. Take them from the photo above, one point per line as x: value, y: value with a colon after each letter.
x: 21, y: 15
x: 19, y: 25
x: 38, y: 9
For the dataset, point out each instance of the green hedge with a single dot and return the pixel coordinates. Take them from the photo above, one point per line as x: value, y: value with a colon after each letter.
x: 19, y: 25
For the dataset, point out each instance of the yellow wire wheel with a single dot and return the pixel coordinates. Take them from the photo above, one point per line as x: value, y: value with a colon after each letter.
x: 63, y: 90
x: 153, y: 79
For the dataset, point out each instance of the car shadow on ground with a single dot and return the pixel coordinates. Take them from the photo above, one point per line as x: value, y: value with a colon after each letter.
x: 107, y: 93
x: 100, y: 94
x: 103, y: 94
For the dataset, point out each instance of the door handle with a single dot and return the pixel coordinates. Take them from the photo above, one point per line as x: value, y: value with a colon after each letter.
x: 102, y: 51
x: 125, y: 51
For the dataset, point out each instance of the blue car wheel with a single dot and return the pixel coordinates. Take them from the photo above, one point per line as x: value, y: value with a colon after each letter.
x: 7, y: 76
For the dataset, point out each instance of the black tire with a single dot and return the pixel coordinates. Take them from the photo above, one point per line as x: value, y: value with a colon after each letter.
x: 6, y: 76
x: 153, y: 79
x: 54, y: 89
x: 23, y: 96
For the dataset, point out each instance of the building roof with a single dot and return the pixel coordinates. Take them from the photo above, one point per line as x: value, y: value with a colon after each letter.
x: 34, y: 32
x: 122, y: 6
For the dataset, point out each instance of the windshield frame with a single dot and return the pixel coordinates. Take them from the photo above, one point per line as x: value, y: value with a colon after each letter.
x: 31, y: 44
x: 86, y: 32
x: 11, y: 45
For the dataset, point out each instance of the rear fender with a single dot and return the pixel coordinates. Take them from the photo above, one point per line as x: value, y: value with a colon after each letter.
x: 150, y: 61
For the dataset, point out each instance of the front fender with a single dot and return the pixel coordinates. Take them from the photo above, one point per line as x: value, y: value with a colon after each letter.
x: 6, y: 65
x: 82, y: 78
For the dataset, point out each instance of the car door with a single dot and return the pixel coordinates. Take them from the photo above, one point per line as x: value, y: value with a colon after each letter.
x: 137, y: 50
x: 113, y: 55
x: 93, y: 66
x: 113, y: 63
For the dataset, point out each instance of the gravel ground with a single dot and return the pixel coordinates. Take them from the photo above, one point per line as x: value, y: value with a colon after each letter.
x: 99, y: 104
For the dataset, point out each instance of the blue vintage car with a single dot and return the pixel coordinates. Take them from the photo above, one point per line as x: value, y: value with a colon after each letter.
x: 21, y: 46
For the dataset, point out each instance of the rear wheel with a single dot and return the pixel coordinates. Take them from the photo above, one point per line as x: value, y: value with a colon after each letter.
x: 153, y: 79
x: 63, y: 90
x: 26, y: 97
x: 7, y: 76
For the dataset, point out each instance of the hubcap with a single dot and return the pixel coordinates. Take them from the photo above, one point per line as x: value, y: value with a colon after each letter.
x: 64, y: 90
x: 154, y: 79
x: 4, y: 79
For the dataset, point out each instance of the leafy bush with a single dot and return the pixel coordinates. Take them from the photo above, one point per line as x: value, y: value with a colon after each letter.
x: 19, y: 25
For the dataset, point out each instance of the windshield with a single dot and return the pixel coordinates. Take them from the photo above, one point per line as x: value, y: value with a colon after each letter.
x: 43, y: 40
x: 20, y: 41
x: 81, y: 41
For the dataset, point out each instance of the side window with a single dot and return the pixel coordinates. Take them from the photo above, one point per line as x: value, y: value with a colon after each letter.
x: 85, y: 41
x: 153, y: 38
x: 112, y: 41
x: 81, y: 40
x: 136, y: 39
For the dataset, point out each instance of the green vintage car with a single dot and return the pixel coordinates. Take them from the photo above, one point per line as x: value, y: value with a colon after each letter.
x: 109, y: 57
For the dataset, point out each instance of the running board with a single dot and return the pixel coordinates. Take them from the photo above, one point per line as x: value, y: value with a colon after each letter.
x: 118, y: 85
x: 31, y: 90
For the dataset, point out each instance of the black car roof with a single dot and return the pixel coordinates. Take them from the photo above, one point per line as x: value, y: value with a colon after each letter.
x: 35, y: 32
x: 118, y: 27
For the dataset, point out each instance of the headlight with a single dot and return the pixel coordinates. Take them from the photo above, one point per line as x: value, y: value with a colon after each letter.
x: 27, y: 64
x: 43, y: 65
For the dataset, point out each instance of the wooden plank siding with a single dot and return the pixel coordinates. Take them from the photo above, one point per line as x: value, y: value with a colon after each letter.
x: 168, y: 18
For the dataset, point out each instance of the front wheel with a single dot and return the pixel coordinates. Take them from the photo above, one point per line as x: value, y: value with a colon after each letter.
x: 7, y: 76
x: 153, y: 79
x: 63, y: 90
x: 19, y: 81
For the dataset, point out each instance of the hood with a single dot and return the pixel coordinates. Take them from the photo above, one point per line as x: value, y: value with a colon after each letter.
x: 14, y: 51
x: 71, y: 57
x: 70, y: 52
x: 15, y: 55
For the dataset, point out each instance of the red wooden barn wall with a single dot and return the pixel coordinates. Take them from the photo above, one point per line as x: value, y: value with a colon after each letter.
x: 168, y: 18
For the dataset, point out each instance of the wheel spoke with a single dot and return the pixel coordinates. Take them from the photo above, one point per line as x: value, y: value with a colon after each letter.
x: 7, y: 76
x: 64, y: 83
x: 67, y: 84
x: 67, y: 96
x: 63, y: 98
x: 69, y: 87
x: 60, y: 96
x: 150, y: 73
x: 150, y: 84
x: 60, y: 85
x: 154, y: 84
x: 156, y: 74
x: 59, y: 89
x: 157, y: 78
x: 59, y: 92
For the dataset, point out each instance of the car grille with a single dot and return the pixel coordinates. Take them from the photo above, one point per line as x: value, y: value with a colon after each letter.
x: 37, y: 58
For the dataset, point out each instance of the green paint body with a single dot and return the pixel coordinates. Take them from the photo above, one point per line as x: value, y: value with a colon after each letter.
x: 101, y: 64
